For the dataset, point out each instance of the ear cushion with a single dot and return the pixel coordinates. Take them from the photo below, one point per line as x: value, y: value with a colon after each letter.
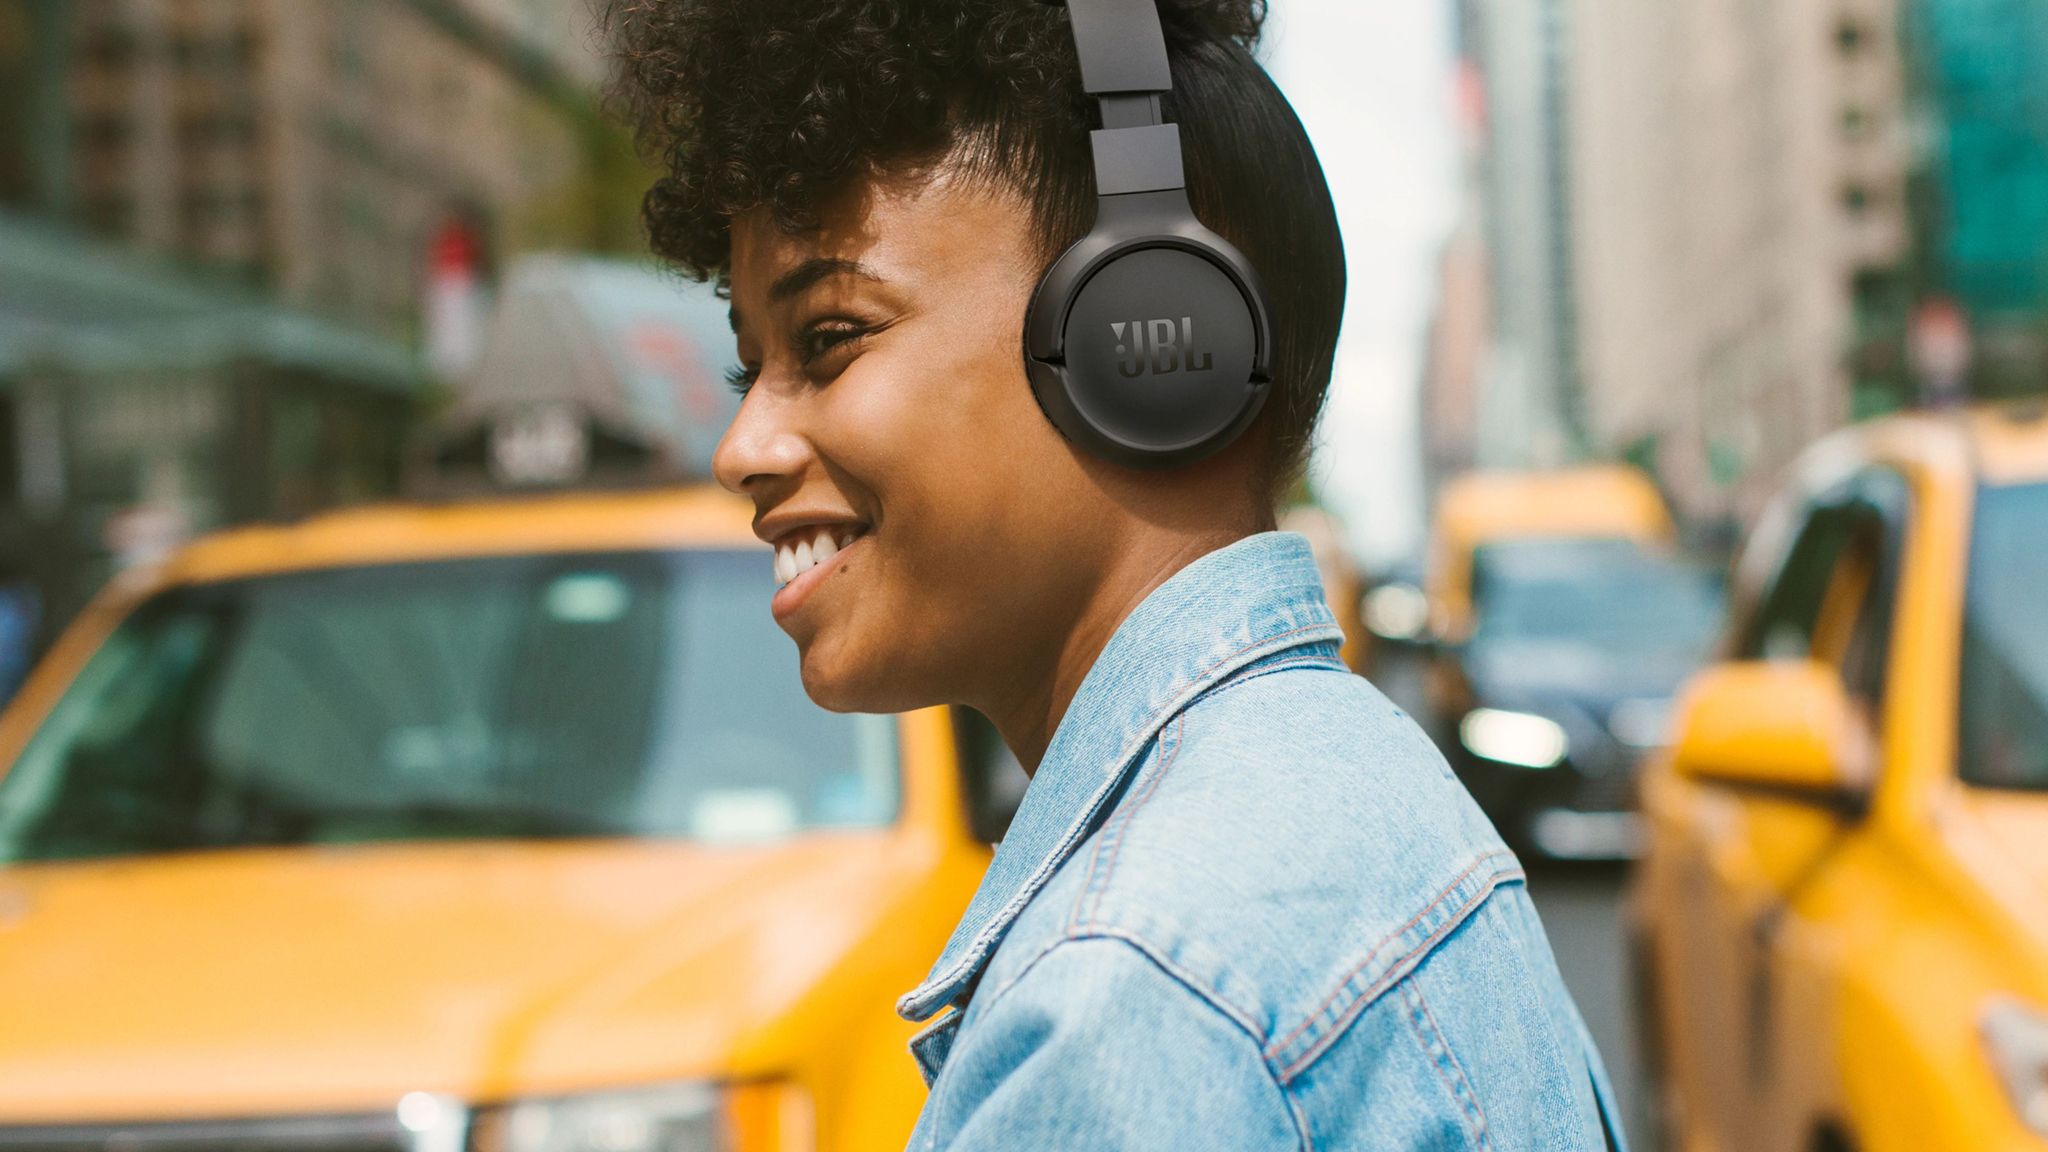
x: 1160, y: 346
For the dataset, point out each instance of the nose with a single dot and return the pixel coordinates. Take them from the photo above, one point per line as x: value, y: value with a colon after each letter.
x: 762, y: 447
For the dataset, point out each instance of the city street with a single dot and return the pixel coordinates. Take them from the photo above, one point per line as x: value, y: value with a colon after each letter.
x: 1581, y: 908
x: 411, y: 742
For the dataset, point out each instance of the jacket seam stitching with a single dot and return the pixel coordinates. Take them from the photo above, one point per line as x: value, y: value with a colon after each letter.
x: 1099, y: 883
x: 1301, y: 1125
x: 1168, y: 708
x: 1195, y: 984
x: 1099, y: 874
x: 1216, y: 1003
x: 1337, y: 992
x: 1208, y: 997
x: 1395, y: 971
x: 1117, y: 816
x: 1448, y: 1067
x: 1036, y: 879
x: 1253, y: 673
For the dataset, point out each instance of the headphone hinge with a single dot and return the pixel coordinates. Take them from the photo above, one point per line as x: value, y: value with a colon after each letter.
x: 1146, y: 159
x: 1131, y: 110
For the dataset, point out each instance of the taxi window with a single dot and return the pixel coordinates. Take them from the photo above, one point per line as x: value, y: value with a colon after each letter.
x: 2004, y: 698
x: 1833, y: 600
x: 635, y: 694
x: 1602, y: 600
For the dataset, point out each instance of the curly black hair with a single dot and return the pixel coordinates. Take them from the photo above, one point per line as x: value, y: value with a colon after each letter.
x: 750, y: 104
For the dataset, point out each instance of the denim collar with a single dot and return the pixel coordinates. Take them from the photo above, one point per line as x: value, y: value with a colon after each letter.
x: 1231, y: 608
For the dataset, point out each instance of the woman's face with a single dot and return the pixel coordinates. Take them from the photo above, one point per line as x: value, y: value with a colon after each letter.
x: 937, y: 536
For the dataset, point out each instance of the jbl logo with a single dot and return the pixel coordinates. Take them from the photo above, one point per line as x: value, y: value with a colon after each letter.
x: 1159, y: 347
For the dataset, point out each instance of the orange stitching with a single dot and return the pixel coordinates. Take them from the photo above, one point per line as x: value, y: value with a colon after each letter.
x: 1251, y: 674
x: 1367, y: 962
x: 1474, y: 1107
x: 1343, y: 1019
x: 1095, y: 857
x: 1180, y: 736
x: 1227, y: 659
x: 1308, y: 1137
x: 1137, y: 802
x: 1040, y: 874
x: 1437, y: 1066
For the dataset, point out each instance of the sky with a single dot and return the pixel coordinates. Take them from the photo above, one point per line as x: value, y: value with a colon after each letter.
x: 1372, y: 81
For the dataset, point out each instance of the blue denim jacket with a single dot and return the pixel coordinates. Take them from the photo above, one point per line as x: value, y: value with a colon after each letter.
x: 1245, y: 905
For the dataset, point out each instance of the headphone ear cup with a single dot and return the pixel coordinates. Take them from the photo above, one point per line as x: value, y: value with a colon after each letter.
x: 1159, y: 350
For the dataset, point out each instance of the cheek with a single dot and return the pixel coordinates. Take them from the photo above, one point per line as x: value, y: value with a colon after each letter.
x: 939, y: 426
x: 966, y: 476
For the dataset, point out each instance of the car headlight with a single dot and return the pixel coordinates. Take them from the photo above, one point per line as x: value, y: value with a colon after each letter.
x: 681, y: 1117
x: 1523, y: 739
x: 2016, y: 1039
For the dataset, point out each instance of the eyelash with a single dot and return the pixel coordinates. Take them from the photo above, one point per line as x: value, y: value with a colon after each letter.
x: 810, y: 344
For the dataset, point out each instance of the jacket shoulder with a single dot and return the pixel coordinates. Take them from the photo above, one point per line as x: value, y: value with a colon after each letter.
x: 1291, y: 846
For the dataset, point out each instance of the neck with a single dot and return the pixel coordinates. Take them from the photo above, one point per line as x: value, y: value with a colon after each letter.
x: 1030, y: 715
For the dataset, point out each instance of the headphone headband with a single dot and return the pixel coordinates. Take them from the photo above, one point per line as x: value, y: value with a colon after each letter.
x: 1122, y: 47
x: 1123, y: 63
x: 1149, y: 341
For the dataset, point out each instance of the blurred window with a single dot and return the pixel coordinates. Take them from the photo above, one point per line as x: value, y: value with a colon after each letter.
x: 633, y: 694
x: 1833, y: 599
x: 992, y: 783
x: 1606, y: 595
x: 2004, y: 713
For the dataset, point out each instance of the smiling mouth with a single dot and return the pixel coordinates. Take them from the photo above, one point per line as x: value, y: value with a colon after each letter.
x: 806, y: 548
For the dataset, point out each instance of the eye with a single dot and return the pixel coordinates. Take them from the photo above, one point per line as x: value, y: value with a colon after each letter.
x: 740, y: 378
x: 819, y: 340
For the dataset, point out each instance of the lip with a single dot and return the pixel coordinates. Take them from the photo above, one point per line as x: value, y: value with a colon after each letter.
x: 791, y: 596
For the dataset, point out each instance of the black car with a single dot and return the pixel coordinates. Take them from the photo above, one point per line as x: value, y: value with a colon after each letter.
x: 1565, y: 681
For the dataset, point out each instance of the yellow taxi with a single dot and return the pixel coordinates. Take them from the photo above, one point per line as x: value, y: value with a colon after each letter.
x: 1479, y: 509
x: 1842, y: 914
x: 1563, y: 622
x: 490, y: 827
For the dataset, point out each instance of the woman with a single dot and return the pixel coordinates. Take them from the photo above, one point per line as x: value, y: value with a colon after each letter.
x: 1244, y: 903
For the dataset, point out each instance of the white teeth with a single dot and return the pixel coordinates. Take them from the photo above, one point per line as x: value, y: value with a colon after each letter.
x: 793, y: 560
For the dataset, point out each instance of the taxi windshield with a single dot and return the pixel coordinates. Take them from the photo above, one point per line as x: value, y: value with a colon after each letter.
x: 2004, y: 705
x: 1608, y: 596
x: 625, y: 694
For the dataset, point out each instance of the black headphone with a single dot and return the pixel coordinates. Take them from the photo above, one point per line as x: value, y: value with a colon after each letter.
x: 1149, y: 342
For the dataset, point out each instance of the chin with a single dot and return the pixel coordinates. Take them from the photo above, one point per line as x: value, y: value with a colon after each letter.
x: 844, y: 678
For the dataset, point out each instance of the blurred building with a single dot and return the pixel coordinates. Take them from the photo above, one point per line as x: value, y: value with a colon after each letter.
x: 1696, y: 221
x: 1529, y: 406
x: 316, y: 148
x: 1459, y: 353
x: 1737, y: 169
x: 230, y: 228
x: 140, y: 402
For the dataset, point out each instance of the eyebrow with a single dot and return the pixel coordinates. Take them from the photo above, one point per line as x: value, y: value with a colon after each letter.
x: 811, y: 271
x: 806, y: 276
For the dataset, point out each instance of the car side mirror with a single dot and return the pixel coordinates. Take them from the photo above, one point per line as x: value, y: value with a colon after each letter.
x: 1781, y: 725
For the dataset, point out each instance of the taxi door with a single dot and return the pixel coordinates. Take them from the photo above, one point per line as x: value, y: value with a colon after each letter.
x: 1750, y: 975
